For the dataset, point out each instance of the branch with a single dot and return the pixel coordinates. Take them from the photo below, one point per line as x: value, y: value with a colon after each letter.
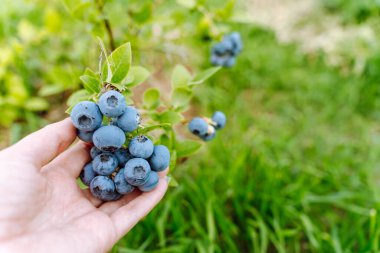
x: 107, y: 25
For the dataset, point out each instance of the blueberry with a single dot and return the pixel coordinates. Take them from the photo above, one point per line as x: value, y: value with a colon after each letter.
x: 94, y: 152
x: 112, y: 103
x: 129, y: 120
x: 141, y: 147
x: 160, y: 158
x: 85, y: 136
x: 87, y: 174
x: 108, y: 138
x: 86, y: 116
x: 137, y: 171
x: 209, y: 135
x: 236, y: 42
x: 103, y: 188
x: 151, y: 183
x: 220, y: 119
x: 122, y: 186
x: 198, y: 126
x: 104, y: 164
x: 229, y: 62
x: 123, y: 156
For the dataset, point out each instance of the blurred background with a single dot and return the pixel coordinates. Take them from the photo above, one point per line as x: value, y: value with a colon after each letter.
x: 297, y: 166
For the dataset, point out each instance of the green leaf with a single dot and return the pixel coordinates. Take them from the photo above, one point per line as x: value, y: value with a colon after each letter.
x: 138, y: 75
x: 190, y: 4
x: 147, y: 129
x: 90, y: 72
x: 36, y: 104
x: 78, y: 96
x: 119, y: 62
x: 120, y: 87
x: 173, y: 182
x: 171, y: 117
x: 204, y: 75
x: 186, y: 148
x: 181, y: 97
x: 50, y: 90
x: 151, y: 98
x: 91, y: 84
x: 173, y: 159
x: 180, y: 77
x: 144, y: 14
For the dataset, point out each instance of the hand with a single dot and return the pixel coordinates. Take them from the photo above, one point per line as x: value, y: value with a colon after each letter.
x: 42, y: 209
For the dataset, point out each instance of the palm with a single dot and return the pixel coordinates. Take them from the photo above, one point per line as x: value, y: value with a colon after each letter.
x: 44, y: 209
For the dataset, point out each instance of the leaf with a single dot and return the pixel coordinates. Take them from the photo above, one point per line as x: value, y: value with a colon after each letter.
x: 36, y: 104
x: 168, y: 117
x: 120, y: 87
x: 186, y: 148
x: 119, y: 62
x: 173, y: 159
x: 78, y: 96
x: 180, y: 77
x: 147, y: 129
x: 144, y: 14
x: 181, y: 97
x: 90, y: 72
x: 138, y: 75
x: 151, y: 98
x: 50, y: 90
x: 173, y: 182
x: 190, y: 4
x: 204, y: 75
x: 91, y: 84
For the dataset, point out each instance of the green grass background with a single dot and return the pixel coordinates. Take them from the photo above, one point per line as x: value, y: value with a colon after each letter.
x: 295, y: 169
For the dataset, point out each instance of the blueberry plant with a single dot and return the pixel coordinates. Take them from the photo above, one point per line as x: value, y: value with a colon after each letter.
x: 132, y: 141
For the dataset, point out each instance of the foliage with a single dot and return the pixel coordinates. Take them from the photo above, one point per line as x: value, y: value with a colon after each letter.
x: 353, y: 10
x: 116, y: 72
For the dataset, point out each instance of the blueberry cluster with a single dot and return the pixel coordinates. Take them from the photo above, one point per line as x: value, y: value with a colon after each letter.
x: 224, y: 53
x: 206, y: 128
x: 116, y: 170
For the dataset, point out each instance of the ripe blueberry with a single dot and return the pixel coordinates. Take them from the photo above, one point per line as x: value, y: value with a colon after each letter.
x: 87, y: 174
x: 94, y: 152
x: 123, y: 156
x: 160, y: 158
x: 198, y: 126
x: 86, y: 116
x: 122, y: 186
x: 141, y: 147
x: 108, y: 138
x: 103, y: 188
x: 151, y: 183
x: 112, y: 103
x: 129, y: 120
x: 209, y: 135
x: 137, y: 171
x: 104, y: 164
x: 85, y: 136
x: 220, y: 119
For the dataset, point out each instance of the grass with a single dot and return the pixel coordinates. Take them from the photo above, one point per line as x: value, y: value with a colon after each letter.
x: 294, y: 170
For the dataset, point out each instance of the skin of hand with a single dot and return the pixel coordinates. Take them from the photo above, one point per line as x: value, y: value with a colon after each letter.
x: 42, y: 209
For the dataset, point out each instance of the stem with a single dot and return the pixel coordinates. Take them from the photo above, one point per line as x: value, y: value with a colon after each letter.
x: 107, y: 24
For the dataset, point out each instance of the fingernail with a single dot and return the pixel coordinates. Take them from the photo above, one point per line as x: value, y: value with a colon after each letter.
x: 168, y: 178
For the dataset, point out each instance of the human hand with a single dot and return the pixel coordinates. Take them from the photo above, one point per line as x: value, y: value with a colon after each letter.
x: 42, y: 209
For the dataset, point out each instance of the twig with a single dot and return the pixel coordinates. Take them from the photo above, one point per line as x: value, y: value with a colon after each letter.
x: 107, y: 25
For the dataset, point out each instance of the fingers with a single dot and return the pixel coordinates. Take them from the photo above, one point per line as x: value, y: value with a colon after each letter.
x: 42, y: 146
x: 127, y: 216
x: 72, y: 161
x: 93, y: 200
